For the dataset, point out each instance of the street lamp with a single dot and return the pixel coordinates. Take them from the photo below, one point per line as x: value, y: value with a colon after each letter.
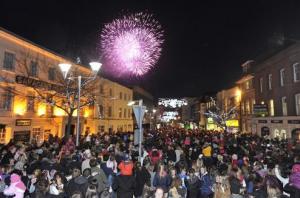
x: 65, y: 68
x: 139, y: 111
x: 239, y: 99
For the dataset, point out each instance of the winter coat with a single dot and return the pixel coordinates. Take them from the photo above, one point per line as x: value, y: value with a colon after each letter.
x: 222, y: 187
x: 193, y: 187
x: 124, y: 186
x: 295, y: 180
x: 78, y: 183
x: 235, y: 186
x: 16, y: 187
x: 292, y: 190
x: 162, y: 182
x: 206, y: 185
x: 101, y: 178
x: 141, y: 178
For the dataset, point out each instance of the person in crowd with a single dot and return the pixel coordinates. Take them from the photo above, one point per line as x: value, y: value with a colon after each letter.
x: 176, y: 163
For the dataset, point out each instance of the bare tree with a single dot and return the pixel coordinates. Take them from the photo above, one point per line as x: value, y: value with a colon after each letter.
x: 220, y: 116
x: 58, y: 92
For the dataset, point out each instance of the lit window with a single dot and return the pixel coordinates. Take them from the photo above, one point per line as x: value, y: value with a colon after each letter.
x: 30, y: 102
x: 297, y: 98
x: 247, y: 107
x: 261, y: 80
x: 9, y: 61
x: 284, y: 106
x: 120, y: 113
x: 271, y: 106
x: 282, y: 77
x: 296, y: 71
x: 247, y: 85
x: 270, y: 81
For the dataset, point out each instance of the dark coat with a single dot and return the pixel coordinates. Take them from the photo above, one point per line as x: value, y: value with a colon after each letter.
x: 141, y: 178
x: 193, y: 187
x: 124, y: 186
x: 77, y: 184
x: 162, y: 182
x: 292, y: 190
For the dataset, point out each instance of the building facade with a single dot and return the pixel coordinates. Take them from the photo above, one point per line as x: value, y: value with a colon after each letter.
x: 247, y: 92
x: 229, y: 100
x: 23, y: 113
x: 277, y: 85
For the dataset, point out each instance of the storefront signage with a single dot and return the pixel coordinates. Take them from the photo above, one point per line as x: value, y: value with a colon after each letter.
x: 23, y: 122
x: 262, y: 121
x: 23, y: 136
x: 294, y: 121
x: 232, y: 123
x: 30, y: 82
x: 260, y: 110
x: 276, y: 121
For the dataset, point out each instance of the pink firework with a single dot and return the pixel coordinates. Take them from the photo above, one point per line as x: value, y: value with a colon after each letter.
x: 132, y: 44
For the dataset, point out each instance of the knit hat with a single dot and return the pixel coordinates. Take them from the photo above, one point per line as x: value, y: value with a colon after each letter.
x: 15, y: 178
x: 296, y: 168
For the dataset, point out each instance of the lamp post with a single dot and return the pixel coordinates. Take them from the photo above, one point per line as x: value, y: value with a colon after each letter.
x: 65, y: 68
x: 239, y: 97
x: 139, y: 111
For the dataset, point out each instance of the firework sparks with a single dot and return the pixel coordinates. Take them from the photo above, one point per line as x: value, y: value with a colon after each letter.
x: 132, y: 44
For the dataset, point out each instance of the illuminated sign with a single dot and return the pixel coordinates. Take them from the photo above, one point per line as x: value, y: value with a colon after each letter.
x: 23, y: 122
x: 232, y: 123
x: 169, y: 115
x: 173, y: 103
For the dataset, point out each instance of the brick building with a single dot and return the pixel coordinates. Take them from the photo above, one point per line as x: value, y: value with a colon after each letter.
x: 277, y: 84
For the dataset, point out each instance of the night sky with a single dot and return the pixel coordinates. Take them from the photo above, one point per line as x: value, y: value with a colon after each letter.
x: 205, y: 42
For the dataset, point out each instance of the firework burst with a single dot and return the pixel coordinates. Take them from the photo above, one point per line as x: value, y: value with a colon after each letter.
x: 132, y: 44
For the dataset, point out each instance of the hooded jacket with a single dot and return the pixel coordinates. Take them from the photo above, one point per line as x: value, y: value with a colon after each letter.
x: 78, y: 183
x: 124, y: 186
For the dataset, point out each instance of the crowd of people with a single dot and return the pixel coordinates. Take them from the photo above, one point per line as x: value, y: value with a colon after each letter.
x: 175, y: 163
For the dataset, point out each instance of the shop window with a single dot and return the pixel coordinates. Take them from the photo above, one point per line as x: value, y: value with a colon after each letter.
x: 37, y: 134
x: 283, y: 134
x: 271, y: 107
x: 276, y: 133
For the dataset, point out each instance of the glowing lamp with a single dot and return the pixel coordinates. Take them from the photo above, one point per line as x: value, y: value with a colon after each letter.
x: 95, y: 66
x: 86, y: 113
x: 58, y: 112
x: 64, y: 67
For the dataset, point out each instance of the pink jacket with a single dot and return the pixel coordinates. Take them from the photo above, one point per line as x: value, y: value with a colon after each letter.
x: 16, y: 188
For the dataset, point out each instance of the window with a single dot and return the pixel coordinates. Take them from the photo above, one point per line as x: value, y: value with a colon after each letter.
x: 30, y: 102
x: 121, y: 95
x: 261, y: 80
x: 282, y: 77
x: 129, y: 113
x: 247, y: 84
x: 296, y: 71
x: 125, y: 113
x: 37, y: 134
x: 271, y: 107
x: 51, y: 74
x: 6, y: 100
x: 247, y: 107
x: 101, y: 111
x: 125, y: 96
x: 101, y: 89
x: 120, y: 112
x: 270, y: 81
x: 109, y: 112
x: 110, y: 92
x: 297, y: 98
x: 9, y: 61
x: 33, y: 69
x: 284, y: 106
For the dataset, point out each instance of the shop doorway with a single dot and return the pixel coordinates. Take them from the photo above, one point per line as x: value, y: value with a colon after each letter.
x: 265, y: 131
